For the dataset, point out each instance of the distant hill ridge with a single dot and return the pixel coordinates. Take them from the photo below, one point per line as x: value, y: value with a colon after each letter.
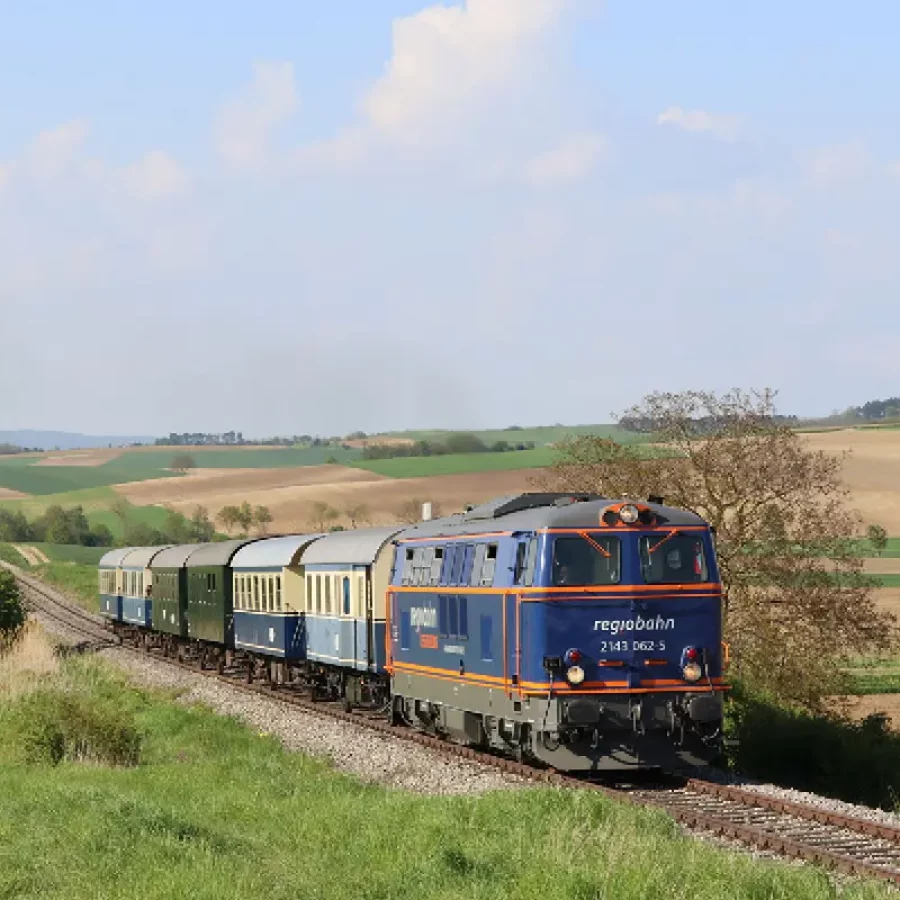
x: 65, y: 440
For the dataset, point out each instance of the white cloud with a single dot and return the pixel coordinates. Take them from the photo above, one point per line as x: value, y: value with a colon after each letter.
x: 156, y: 174
x: 838, y: 162
x: 246, y: 124
x: 572, y: 159
x: 447, y: 59
x: 720, y: 125
x: 51, y: 152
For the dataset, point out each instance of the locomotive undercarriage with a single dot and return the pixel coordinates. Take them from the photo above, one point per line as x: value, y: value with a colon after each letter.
x: 669, y: 731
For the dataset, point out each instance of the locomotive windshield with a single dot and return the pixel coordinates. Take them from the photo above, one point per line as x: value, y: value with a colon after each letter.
x: 673, y: 559
x: 586, y: 559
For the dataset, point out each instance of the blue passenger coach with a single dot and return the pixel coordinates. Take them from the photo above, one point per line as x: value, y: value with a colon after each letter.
x: 578, y: 630
x: 269, y: 597
x: 109, y: 573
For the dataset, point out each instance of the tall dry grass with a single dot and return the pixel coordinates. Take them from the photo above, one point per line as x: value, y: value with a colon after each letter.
x: 30, y: 661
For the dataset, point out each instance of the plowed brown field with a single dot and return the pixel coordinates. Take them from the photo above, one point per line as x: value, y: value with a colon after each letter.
x: 871, y: 471
x: 80, y: 457
x: 10, y: 494
x: 290, y: 493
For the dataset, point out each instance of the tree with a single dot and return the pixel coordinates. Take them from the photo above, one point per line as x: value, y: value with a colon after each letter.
x: 798, y: 602
x: 878, y: 538
x: 12, y: 612
x: 202, y: 530
x: 411, y: 510
x: 228, y: 517
x: 181, y: 462
x: 357, y: 513
x: 262, y: 518
x: 245, y: 516
x: 322, y: 514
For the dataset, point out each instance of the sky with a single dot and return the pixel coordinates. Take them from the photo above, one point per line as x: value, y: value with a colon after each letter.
x: 308, y: 217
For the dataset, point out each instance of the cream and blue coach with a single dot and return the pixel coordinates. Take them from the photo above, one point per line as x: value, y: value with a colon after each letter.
x: 137, y: 586
x: 111, y: 583
x: 270, y: 597
x: 347, y: 574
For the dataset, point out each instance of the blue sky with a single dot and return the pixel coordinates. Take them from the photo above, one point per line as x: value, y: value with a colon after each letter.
x: 316, y: 217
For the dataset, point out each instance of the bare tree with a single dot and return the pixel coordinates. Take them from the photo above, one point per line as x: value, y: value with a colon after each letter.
x: 228, y: 517
x: 358, y: 514
x: 262, y: 518
x: 798, y: 603
x: 322, y: 515
x: 411, y: 510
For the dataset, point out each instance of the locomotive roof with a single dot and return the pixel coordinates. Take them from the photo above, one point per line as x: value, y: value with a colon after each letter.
x: 113, y: 558
x: 530, y: 512
x: 357, y: 547
x: 139, y: 557
x: 276, y: 551
x: 174, y: 557
x: 217, y: 553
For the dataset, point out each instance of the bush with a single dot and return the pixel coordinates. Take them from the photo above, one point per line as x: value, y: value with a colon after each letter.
x: 56, y: 725
x: 12, y: 613
x: 827, y: 754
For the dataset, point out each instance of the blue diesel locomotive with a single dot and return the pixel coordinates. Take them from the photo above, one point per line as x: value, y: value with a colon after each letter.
x: 578, y: 631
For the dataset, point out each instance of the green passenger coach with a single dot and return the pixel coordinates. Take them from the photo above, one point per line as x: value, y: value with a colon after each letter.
x: 210, y: 594
x: 170, y: 590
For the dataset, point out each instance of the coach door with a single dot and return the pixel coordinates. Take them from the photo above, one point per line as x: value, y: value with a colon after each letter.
x: 365, y: 584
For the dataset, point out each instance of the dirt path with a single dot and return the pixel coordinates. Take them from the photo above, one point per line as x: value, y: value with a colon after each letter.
x: 32, y: 555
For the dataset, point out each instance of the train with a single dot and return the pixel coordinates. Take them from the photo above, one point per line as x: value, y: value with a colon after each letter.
x: 569, y: 630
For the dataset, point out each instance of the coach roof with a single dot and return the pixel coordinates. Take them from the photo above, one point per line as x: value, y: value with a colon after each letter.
x: 113, y: 558
x: 358, y: 547
x: 140, y: 557
x: 532, y: 512
x: 174, y: 557
x: 218, y: 553
x: 277, y: 551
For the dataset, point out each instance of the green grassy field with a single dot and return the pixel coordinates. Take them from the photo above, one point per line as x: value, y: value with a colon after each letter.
x: 78, y: 580
x: 40, y: 480
x: 888, y: 581
x: 892, y: 551
x: 876, y: 676
x: 141, y: 461
x: 9, y: 554
x: 201, y: 807
x: 88, y: 556
x: 457, y: 463
x: 541, y: 435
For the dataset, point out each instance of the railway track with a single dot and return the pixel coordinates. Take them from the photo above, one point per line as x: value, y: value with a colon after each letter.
x: 846, y: 844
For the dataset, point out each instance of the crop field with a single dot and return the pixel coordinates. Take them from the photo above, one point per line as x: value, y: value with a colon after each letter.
x: 142, y: 462
x: 33, y: 479
x: 458, y: 463
x: 541, y: 434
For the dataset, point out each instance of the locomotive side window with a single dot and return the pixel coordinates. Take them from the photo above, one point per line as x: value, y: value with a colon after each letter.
x: 490, y: 563
x: 526, y: 555
x: 673, y: 559
x: 586, y: 559
x: 408, y: 566
x: 436, y: 565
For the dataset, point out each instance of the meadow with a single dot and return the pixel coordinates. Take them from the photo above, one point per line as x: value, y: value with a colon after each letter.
x: 113, y: 791
x: 25, y: 476
x: 541, y: 435
x: 457, y: 463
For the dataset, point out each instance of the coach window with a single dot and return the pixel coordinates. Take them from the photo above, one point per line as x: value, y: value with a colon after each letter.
x: 490, y: 563
x: 278, y: 593
x: 318, y: 593
x: 328, y: 594
x: 346, y: 584
x: 586, y: 559
x: 673, y: 559
x: 255, y: 600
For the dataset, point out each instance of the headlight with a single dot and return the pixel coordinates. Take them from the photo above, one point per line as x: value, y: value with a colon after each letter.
x: 629, y: 514
x: 575, y: 675
x: 692, y: 672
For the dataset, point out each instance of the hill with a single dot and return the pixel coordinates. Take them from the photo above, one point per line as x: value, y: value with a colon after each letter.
x: 67, y: 440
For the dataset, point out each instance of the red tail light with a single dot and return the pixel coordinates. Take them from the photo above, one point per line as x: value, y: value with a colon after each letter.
x: 691, y: 654
x: 573, y: 657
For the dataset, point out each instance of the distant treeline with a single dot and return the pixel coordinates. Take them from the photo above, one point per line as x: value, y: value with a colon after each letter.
x: 12, y: 449
x: 462, y: 442
x: 879, y: 409
x: 70, y: 525
x: 236, y: 439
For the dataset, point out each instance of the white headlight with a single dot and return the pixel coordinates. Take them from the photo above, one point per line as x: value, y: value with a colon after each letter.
x: 629, y: 514
x: 575, y: 675
x: 692, y: 672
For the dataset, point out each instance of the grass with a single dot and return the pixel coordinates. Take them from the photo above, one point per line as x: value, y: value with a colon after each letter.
x: 78, y: 580
x: 888, y: 581
x: 89, y: 556
x: 9, y: 554
x: 891, y: 551
x: 198, y: 806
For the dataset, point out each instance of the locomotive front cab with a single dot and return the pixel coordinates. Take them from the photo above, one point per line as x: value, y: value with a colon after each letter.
x: 625, y: 625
